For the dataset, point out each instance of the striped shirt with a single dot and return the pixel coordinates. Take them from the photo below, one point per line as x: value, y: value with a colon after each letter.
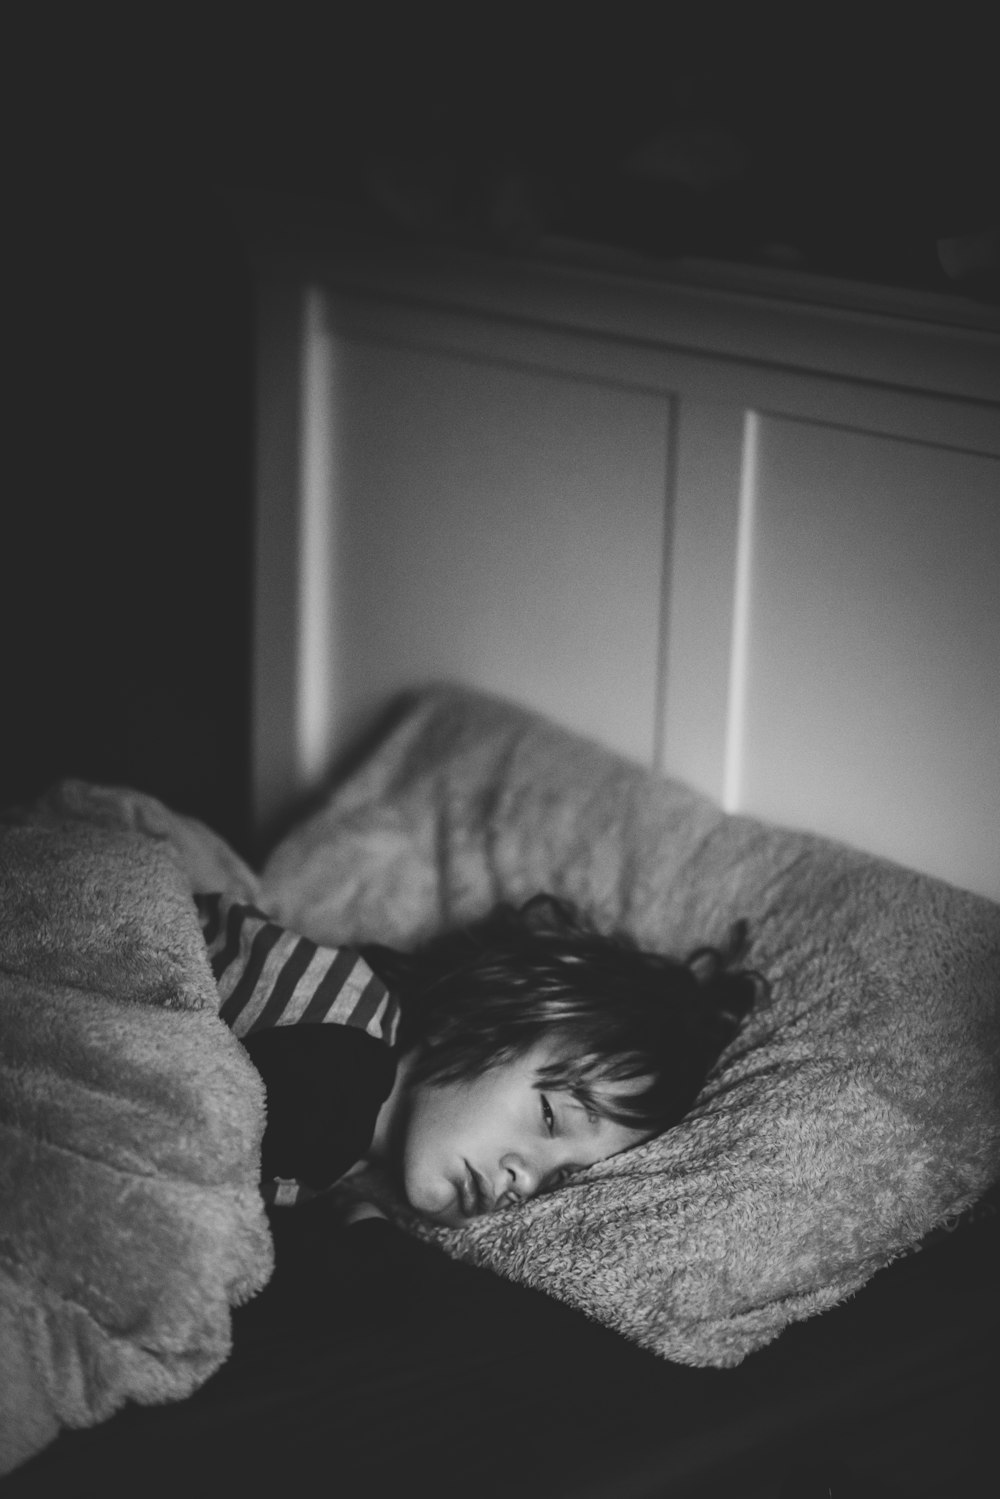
x: 268, y: 976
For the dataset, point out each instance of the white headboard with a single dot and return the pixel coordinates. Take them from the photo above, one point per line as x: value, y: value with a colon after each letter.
x: 748, y: 540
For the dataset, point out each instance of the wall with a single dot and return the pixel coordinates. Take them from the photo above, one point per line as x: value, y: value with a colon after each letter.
x: 126, y: 596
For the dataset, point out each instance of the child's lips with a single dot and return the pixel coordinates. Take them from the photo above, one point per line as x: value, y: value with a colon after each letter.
x: 475, y: 1195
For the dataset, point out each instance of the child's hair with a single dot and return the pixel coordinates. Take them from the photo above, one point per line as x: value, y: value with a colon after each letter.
x: 486, y: 994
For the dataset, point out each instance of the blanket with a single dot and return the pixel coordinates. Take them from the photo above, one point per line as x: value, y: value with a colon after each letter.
x: 130, y: 1118
x: 857, y: 1109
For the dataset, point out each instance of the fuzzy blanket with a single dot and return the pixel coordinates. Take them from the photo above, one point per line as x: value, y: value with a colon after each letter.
x: 130, y: 1119
x: 858, y: 1108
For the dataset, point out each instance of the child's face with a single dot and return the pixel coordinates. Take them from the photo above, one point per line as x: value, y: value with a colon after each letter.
x: 473, y: 1147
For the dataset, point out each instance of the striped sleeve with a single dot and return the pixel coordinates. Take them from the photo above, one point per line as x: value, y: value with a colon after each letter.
x: 268, y: 976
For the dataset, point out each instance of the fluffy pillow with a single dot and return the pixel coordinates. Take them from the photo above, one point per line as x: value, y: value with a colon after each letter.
x: 858, y: 1108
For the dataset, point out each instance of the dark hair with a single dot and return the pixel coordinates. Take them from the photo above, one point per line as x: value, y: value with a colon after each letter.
x: 487, y: 993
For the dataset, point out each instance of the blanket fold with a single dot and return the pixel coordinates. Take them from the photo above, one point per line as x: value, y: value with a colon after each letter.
x: 130, y: 1126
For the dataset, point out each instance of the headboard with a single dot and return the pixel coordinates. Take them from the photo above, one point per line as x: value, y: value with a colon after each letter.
x: 747, y: 540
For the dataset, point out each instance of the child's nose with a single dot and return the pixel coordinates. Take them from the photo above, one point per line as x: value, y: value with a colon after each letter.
x: 522, y: 1175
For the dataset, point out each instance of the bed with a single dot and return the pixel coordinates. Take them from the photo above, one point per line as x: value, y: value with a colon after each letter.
x: 794, y: 1291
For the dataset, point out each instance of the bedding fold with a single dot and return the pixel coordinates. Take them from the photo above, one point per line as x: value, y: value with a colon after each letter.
x: 130, y: 1121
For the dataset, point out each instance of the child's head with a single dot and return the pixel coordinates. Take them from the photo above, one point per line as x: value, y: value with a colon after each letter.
x: 533, y: 1046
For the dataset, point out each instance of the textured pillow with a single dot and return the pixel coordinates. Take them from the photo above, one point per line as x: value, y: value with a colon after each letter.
x: 858, y: 1108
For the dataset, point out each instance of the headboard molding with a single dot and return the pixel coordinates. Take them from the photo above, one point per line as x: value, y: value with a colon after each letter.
x: 752, y: 543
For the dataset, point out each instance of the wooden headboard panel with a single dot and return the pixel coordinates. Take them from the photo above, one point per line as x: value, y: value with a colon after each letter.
x: 750, y: 541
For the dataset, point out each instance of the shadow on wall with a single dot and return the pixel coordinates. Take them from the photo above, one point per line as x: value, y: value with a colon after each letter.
x: 126, y: 598
x: 791, y: 146
x: 126, y: 595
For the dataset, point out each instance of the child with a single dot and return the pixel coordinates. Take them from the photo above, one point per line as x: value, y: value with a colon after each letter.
x: 482, y: 1069
x: 485, y: 1067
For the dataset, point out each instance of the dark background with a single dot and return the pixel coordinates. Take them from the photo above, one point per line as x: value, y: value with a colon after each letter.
x: 142, y: 152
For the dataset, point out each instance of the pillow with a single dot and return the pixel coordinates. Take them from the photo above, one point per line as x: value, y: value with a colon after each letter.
x: 858, y: 1108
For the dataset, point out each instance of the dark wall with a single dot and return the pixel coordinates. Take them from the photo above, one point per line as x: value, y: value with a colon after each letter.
x: 126, y: 559
x: 719, y: 131
x: 136, y: 153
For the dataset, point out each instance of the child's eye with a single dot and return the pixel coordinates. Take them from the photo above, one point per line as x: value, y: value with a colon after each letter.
x: 548, y: 1116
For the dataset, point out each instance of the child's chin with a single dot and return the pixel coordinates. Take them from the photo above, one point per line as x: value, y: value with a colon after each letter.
x: 441, y: 1206
x: 445, y: 1215
x: 449, y: 1218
